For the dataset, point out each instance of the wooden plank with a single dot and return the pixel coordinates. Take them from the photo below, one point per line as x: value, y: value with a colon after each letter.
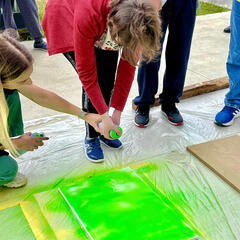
x: 198, y: 89
x: 222, y: 156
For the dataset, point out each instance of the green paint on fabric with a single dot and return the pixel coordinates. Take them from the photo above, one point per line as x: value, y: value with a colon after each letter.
x: 13, y: 224
x: 119, y: 205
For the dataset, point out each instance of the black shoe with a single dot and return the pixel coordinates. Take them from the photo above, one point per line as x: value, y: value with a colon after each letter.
x: 142, y: 116
x: 172, y: 114
x: 41, y: 45
x: 227, y: 29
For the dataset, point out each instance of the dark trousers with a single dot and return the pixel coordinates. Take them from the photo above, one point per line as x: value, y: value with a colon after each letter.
x: 29, y: 12
x: 7, y: 6
x: 106, y: 71
x: 179, y: 17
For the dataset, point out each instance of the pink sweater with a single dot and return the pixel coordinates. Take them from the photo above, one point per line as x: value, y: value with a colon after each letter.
x: 75, y: 25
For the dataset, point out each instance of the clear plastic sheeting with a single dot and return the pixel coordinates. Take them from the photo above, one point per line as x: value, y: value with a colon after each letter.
x: 158, y: 154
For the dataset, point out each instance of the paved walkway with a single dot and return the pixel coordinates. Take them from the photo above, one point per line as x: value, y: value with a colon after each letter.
x: 223, y: 3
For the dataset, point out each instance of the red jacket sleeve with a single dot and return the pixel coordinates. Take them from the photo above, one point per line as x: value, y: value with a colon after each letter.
x: 125, y: 76
x: 86, y: 31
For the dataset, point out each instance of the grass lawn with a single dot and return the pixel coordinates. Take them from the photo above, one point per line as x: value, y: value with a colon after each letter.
x: 206, y: 8
x: 41, y: 6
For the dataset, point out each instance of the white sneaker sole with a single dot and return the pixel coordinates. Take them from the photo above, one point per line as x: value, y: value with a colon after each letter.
x: 141, y: 125
x: 19, y: 181
x: 228, y: 124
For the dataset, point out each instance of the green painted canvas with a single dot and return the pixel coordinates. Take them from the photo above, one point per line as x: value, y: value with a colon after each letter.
x: 13, y: 225
x: 120, y: 205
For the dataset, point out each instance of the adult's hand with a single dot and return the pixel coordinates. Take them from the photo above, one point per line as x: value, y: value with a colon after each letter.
x: 107, y: 125
x: 94, y: 120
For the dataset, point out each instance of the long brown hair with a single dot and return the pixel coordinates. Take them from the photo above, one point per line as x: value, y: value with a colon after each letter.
x: 14, y: 60
x: 135, y: 24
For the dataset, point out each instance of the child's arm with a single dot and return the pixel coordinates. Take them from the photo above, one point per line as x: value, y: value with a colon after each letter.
x: 51, y: 100
x: 48, y: 99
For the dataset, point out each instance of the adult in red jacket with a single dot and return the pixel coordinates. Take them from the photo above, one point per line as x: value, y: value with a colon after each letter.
x: 90, y: 33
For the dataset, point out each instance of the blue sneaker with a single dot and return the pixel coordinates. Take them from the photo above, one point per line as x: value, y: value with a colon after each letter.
x: 41, y: 45
x: 142, y: 116
x: 226, y: 117
x: 93, y: 150
x: 111, y: 143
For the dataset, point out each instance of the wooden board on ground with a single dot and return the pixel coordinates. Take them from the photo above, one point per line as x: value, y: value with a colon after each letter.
x: 198, y: 89
x: 222, y: 156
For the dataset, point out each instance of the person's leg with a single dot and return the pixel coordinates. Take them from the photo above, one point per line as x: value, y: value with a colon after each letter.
x: 182, y: 15
x: 8, y: 14
x: 8, y: 168
x: 106, y: 70
x: 181, y: 26
x: 148, y: 73
x: 148, y: 81
x: 9, y: 22
x: 29, y: 12
x: 232, y: 98
x: 233, y: 63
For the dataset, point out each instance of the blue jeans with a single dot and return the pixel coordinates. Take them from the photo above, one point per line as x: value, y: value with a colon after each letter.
x: 232, y: 98
x: 179, y: 17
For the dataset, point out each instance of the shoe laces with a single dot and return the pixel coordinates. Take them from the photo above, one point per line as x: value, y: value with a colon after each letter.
x: 236, y: 112
x: 170, y: 107
x: 94, y: 143
x: 143, y: 111
x: 233, y: 111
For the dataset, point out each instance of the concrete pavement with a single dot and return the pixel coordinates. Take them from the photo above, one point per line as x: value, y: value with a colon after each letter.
x: 207, y: 62
x: 223, y: 3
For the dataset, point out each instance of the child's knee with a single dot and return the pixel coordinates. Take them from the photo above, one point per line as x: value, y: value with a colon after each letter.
x: 8, y: 169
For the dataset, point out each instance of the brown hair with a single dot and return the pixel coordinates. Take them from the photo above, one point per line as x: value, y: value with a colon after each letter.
x: 14, y: 60
x: 135, y: 24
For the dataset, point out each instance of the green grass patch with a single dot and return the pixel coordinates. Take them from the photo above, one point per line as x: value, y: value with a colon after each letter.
x: 208, y: 8
x: 41, y: 8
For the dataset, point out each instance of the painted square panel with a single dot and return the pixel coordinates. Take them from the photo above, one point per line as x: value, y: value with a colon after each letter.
x: 120, y: 205
x: 14, y: 225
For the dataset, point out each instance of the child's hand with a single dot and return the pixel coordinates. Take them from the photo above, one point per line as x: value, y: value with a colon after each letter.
x: 116, y: 116
x: 27, y: 142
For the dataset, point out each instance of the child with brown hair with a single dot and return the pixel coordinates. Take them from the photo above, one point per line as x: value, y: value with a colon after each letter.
x: 16, y: 66
x: 90, y: 34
